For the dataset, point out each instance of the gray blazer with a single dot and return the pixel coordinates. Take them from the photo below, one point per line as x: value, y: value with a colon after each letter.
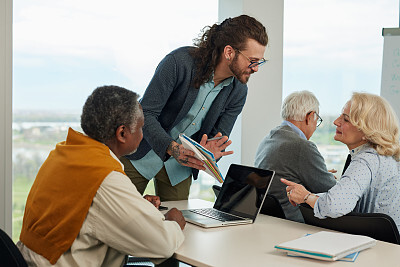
x: 295, y: 159
x: 169, y: 97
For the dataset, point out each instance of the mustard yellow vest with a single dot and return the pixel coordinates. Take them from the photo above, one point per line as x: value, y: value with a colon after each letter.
x: 62, y: 193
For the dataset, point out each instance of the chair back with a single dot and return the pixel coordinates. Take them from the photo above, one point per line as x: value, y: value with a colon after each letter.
x: 272, y: 207
x: 9, y: 253
x: 376, y: 225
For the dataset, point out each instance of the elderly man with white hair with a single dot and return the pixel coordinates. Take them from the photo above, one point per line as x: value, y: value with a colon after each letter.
x: 288, y: 151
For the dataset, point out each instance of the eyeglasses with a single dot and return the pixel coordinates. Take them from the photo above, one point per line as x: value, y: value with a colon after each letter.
x: 319, y: 119
x: 253, y: 63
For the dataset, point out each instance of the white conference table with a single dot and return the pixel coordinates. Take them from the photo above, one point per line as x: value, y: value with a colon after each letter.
x: 253, y: 244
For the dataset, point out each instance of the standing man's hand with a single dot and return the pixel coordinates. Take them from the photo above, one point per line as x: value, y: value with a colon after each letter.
x: 217, y: 146
x: 184, y: 156
x: 176, y: 215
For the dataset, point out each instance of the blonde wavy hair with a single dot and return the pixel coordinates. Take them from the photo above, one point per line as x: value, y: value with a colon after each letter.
x: 374, y: 116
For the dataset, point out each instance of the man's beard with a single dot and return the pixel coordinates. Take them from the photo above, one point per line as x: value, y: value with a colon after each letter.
x: 242, y: 76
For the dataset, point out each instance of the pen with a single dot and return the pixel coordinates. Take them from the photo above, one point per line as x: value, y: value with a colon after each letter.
x: 214, y: 138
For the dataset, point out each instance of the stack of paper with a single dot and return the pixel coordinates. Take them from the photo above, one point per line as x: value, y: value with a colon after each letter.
x: 327, y: 245
x: 204, y: 155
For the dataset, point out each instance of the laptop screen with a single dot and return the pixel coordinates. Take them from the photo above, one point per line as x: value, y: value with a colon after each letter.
x: 243, y: 191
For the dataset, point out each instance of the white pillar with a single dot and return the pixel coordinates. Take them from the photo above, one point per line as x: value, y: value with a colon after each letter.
x: 261, y: 112
x: 6, y: 116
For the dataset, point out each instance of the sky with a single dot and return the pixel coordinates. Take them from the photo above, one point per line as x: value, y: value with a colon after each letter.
x: 335, y: 47
x: 64, y: 49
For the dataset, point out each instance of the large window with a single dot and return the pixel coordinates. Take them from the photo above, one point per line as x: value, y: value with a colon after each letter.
x: 333, y: 48
x: 64, y: 49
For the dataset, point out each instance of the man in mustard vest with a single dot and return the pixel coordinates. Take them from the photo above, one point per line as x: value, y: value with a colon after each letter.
x: 82, y: 209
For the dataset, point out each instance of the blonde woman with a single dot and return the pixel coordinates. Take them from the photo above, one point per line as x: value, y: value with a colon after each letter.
x: 371, y: 184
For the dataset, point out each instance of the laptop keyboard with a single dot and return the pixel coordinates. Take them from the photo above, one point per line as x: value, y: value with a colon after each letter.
x: 216, y: 214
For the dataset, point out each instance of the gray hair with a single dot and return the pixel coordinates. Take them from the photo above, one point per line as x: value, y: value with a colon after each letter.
x: 107, y: 108
x: 298, y: 104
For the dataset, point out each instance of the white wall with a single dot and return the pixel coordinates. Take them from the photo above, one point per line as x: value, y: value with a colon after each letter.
x: 6, y: 115
x: 261, y: 112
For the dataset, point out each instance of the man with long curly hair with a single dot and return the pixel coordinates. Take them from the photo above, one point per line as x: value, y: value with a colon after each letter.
x: 198, y: 91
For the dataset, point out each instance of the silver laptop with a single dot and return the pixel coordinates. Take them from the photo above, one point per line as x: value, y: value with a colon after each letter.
x: 239, y: 201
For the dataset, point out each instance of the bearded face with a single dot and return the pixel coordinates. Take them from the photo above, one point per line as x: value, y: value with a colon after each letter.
x: 240, y: 72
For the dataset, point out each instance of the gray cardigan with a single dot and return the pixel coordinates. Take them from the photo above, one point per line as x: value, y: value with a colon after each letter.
x: 295, y: 159
x: 169, y: 97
